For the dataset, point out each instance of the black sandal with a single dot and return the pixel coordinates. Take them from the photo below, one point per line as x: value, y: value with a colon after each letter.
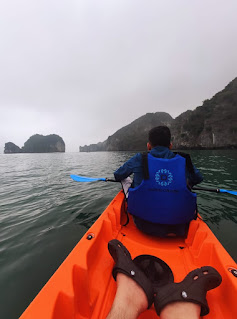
x: 145, y: 270
x: 193, y: 288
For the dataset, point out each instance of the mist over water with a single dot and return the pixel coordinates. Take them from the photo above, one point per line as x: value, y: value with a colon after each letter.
x: 43, y: 213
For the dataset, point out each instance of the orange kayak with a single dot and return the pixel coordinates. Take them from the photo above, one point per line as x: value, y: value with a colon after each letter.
x: 83, y: 286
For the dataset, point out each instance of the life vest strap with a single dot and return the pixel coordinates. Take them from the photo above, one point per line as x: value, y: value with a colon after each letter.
x: 189, y: 164
x: 145, y: 165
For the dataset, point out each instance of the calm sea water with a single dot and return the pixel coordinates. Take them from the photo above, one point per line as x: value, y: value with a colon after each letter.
x: 43, y: 213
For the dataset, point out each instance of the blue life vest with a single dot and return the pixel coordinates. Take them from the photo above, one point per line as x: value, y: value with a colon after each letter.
x: 163, y: 198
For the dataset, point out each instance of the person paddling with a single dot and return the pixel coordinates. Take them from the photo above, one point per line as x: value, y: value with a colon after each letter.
x: 159, y: 198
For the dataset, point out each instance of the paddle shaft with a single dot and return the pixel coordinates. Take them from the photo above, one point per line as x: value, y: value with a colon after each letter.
x: 78, y: 178
x: 197, y: 188
x: 214, y: 190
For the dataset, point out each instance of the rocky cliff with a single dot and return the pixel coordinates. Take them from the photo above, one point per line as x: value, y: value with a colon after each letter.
x: 212, y: 125
x: 38, y: 144
x: 132, y: 137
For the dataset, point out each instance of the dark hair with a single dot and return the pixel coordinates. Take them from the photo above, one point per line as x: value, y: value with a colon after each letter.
x: 160, y: 135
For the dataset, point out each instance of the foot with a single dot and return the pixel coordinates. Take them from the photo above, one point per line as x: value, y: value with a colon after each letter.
x: 192, y: 289
x: 130, y: 300
x: 125, y: 265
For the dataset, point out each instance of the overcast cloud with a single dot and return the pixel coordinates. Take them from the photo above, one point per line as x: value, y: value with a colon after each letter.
x: 83, y: 69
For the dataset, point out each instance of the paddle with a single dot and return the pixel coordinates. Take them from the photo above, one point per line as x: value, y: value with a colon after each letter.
x: 214, y: 190
x: 78, y: 178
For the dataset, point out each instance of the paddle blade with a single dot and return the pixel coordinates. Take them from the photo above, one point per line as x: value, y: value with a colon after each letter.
x: 226, y: 191
x: 86, y: 179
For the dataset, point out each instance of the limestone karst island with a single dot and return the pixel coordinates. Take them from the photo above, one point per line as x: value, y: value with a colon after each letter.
x: 38, y: 144
x: 213, y: 125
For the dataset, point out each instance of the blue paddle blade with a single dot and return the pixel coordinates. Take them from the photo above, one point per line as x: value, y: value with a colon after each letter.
x: 86, y: 179
x: 226, y: 191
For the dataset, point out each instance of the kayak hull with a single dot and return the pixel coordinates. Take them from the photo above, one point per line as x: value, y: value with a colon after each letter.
x: 83, y: 287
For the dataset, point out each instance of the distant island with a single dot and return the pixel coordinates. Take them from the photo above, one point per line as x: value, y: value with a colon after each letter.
x: 210, y: 126
x: 38, y: 144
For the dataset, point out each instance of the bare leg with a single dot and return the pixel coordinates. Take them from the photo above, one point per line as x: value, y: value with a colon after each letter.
x: 130, y: 299
x: 181, y: 310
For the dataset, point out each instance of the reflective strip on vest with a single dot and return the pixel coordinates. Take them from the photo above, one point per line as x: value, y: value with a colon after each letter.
x: 163, y: 198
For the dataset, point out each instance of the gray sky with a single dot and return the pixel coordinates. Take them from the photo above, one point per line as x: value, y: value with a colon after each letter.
x: 83, y: 69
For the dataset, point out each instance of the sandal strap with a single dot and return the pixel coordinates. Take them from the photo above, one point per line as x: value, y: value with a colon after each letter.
x: 193, y: 288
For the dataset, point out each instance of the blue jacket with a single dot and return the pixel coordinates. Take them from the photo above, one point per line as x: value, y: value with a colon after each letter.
x: 134, y: 166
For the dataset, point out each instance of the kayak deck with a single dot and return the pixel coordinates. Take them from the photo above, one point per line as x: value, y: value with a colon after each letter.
x: 83, y: 286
